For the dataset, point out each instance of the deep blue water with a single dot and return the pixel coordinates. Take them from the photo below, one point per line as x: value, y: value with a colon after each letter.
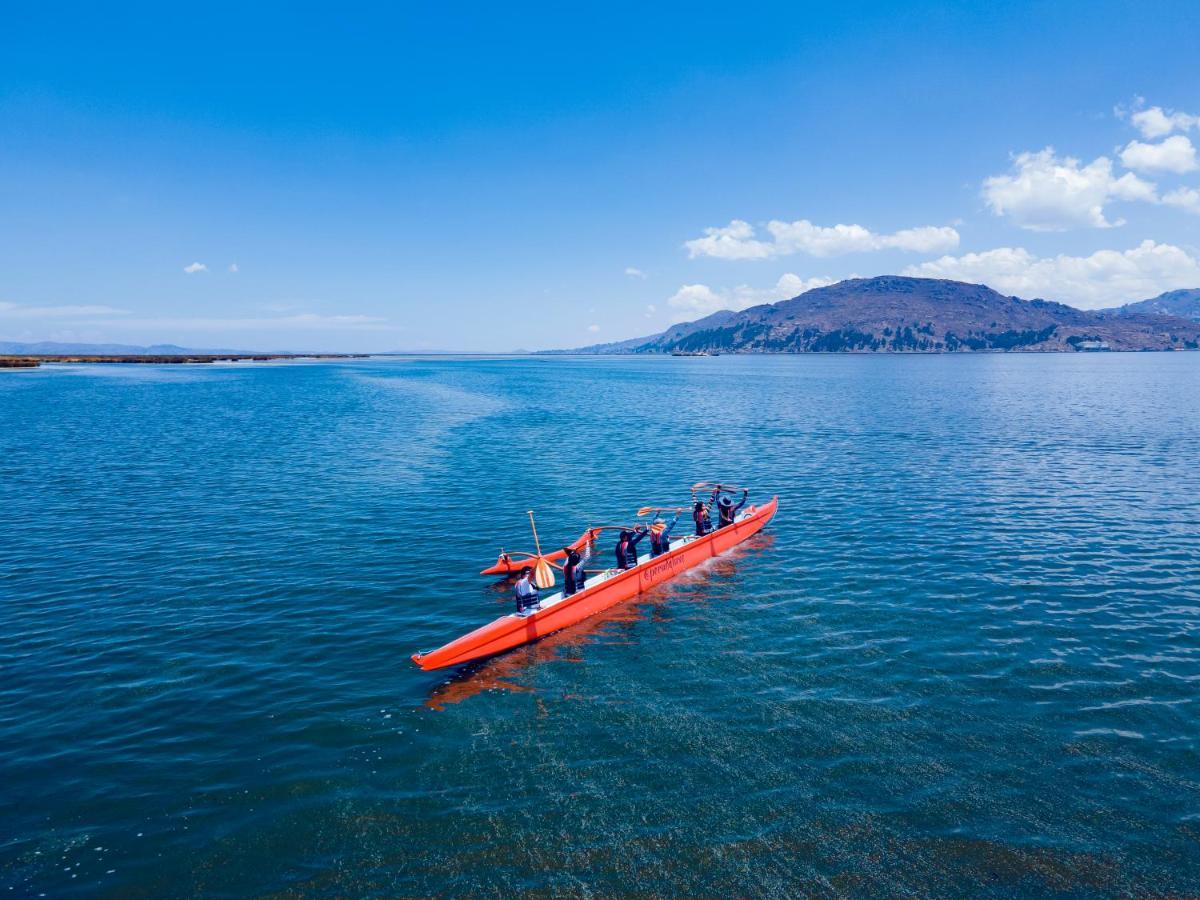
x: 963, y: 660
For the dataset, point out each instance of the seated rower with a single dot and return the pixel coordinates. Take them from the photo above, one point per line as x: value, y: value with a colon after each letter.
x: 574, y: 576
x: 702, y: 519
x: 627, y: 548
x: 726, y: 511
x: 525, y: 593
x: 660, y: 536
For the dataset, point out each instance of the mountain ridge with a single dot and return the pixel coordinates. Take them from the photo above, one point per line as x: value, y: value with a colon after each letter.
x: 894, y: 313
x: 1183, y: 303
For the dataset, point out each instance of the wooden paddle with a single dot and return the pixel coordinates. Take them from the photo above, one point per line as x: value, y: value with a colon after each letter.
x: 646, y: 510
x: 543, y: 575
x: 701, y: 486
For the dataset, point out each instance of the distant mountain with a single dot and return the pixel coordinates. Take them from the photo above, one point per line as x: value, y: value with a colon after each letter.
x: 1185, y: 304
x: 55, y: 348
x: 675, y: 333
x: 897, y: 314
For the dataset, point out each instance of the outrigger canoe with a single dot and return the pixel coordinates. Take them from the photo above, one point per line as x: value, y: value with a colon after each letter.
x: 511, y: 563
x: 601, y: 591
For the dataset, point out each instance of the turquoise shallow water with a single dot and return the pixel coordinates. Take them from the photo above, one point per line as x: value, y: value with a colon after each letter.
x: 964, y: 659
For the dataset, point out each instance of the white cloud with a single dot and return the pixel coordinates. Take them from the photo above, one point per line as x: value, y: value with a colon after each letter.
x: 593, y: 328
x: 1046, y: 192
x: 17, y: 311
x: 694, y: 301
x: 1175, y: 154
x: 195, y: 267
x: 233, y: 268
x: 1156, y: 122
x: 738, y: 240
x: 1185, y: 198
x: 1106, y: 278
x: 634, y: 273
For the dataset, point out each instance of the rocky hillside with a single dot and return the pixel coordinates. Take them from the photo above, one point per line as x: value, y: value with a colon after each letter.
x: 1185, y: 304
x: 922, y: 315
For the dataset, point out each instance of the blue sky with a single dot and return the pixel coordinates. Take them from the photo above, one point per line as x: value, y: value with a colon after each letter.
x: 362, y: 177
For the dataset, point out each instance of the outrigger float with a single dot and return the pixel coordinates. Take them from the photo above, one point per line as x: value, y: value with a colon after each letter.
x: 511, y: 563
x: 601, y: 591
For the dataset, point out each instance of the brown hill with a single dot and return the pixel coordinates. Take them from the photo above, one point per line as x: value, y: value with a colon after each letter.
x: 897, y: 314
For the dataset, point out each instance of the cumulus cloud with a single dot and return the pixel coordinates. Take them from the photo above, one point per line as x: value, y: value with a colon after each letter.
x: 1175, y: 154
x: 634, y: 273
x: 1106, y: 278
x: 739, y: 240
x: 233, y: 268
x: 694, y: 301
x: 195, y: 267
x: 1185, y: 198
x: 1046, y: 192
x: 17, y: 311
x: 1156, y: 122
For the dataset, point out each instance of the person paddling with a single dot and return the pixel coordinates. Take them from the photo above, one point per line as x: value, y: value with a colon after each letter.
x: 525, y: 592
x: 702, y: 519
x: 574, y: 577
x: 627, y: 548
x: 660, y: 536
x: 726, y: 510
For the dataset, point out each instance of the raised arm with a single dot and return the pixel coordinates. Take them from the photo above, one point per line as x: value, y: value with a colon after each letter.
x: 745, y: 494
x: 666, y: 532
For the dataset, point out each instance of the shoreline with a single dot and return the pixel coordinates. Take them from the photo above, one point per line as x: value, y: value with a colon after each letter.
x: 33, y: 361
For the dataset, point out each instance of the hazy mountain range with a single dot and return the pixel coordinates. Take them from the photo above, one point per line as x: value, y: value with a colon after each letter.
x: 57, y: 348
x: 883, y: 314
x: 898, y: 314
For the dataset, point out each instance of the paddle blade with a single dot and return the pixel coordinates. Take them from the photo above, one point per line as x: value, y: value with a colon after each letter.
x: 646, y: 510
x: 543, y: 575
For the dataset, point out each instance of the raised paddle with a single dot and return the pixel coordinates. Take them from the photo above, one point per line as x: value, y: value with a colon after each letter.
x: 543, y: 575
x: 646, y: 510
x: 600, y: 528
x: 701, y: 486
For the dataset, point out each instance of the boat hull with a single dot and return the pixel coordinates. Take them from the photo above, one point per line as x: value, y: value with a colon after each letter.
x: 513, y: 631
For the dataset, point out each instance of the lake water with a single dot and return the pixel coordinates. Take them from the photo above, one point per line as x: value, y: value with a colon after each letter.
x: 963, y: 660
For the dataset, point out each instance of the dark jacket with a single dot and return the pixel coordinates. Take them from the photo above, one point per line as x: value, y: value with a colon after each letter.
x: 727, y: 511
x: 627, y: 550
x: 573, y: 574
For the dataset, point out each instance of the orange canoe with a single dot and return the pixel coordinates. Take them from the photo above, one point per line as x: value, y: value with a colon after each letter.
x: 511, y: 563
x: 603, y: 590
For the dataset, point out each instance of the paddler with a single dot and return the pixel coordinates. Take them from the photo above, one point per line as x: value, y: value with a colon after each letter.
x: 525, y: 592
x: 660, y: 535
x: 574, y: 576
x: 627, y: 548
x: 702, y: 519
x: 725, y: 508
